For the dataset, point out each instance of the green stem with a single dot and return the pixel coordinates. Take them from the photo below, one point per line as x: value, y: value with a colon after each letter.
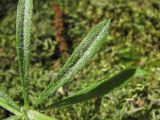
x: 26, y: 98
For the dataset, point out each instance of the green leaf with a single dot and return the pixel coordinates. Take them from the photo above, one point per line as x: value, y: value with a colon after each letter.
x: 80, y: 57
x: 7, y: 103
x: 98, y: 89
x: 34, y: 115
x: 13, y: 118
x: 23, y: 31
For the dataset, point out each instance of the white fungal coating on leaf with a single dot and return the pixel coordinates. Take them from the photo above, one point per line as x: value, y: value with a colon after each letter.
x: 80, y: 57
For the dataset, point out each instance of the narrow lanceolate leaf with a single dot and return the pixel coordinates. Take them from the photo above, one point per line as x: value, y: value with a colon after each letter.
x: 80, y: 57
x: 98, y: 89
x: 7, y: 103
x: 34, y: 115
x: 23, y: 31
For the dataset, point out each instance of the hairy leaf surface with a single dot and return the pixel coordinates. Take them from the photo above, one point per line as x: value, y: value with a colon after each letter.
x: 23, y: 31
x: 80, y: 57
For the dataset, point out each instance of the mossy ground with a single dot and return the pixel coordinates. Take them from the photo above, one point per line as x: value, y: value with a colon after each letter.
x: 134, y: 41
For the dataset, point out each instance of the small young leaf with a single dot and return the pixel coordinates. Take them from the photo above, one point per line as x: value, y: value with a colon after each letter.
x: 98, y: 89
x: 13, y: 118
x: 80, y: 57
x: 7, y: 103
x: 23, y: 31
x: 34, y: 115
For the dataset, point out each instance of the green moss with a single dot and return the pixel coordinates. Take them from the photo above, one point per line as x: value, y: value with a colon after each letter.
x: 134, y: 40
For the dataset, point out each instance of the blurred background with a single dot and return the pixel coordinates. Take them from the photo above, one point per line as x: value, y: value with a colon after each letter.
x: 59, y: 26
